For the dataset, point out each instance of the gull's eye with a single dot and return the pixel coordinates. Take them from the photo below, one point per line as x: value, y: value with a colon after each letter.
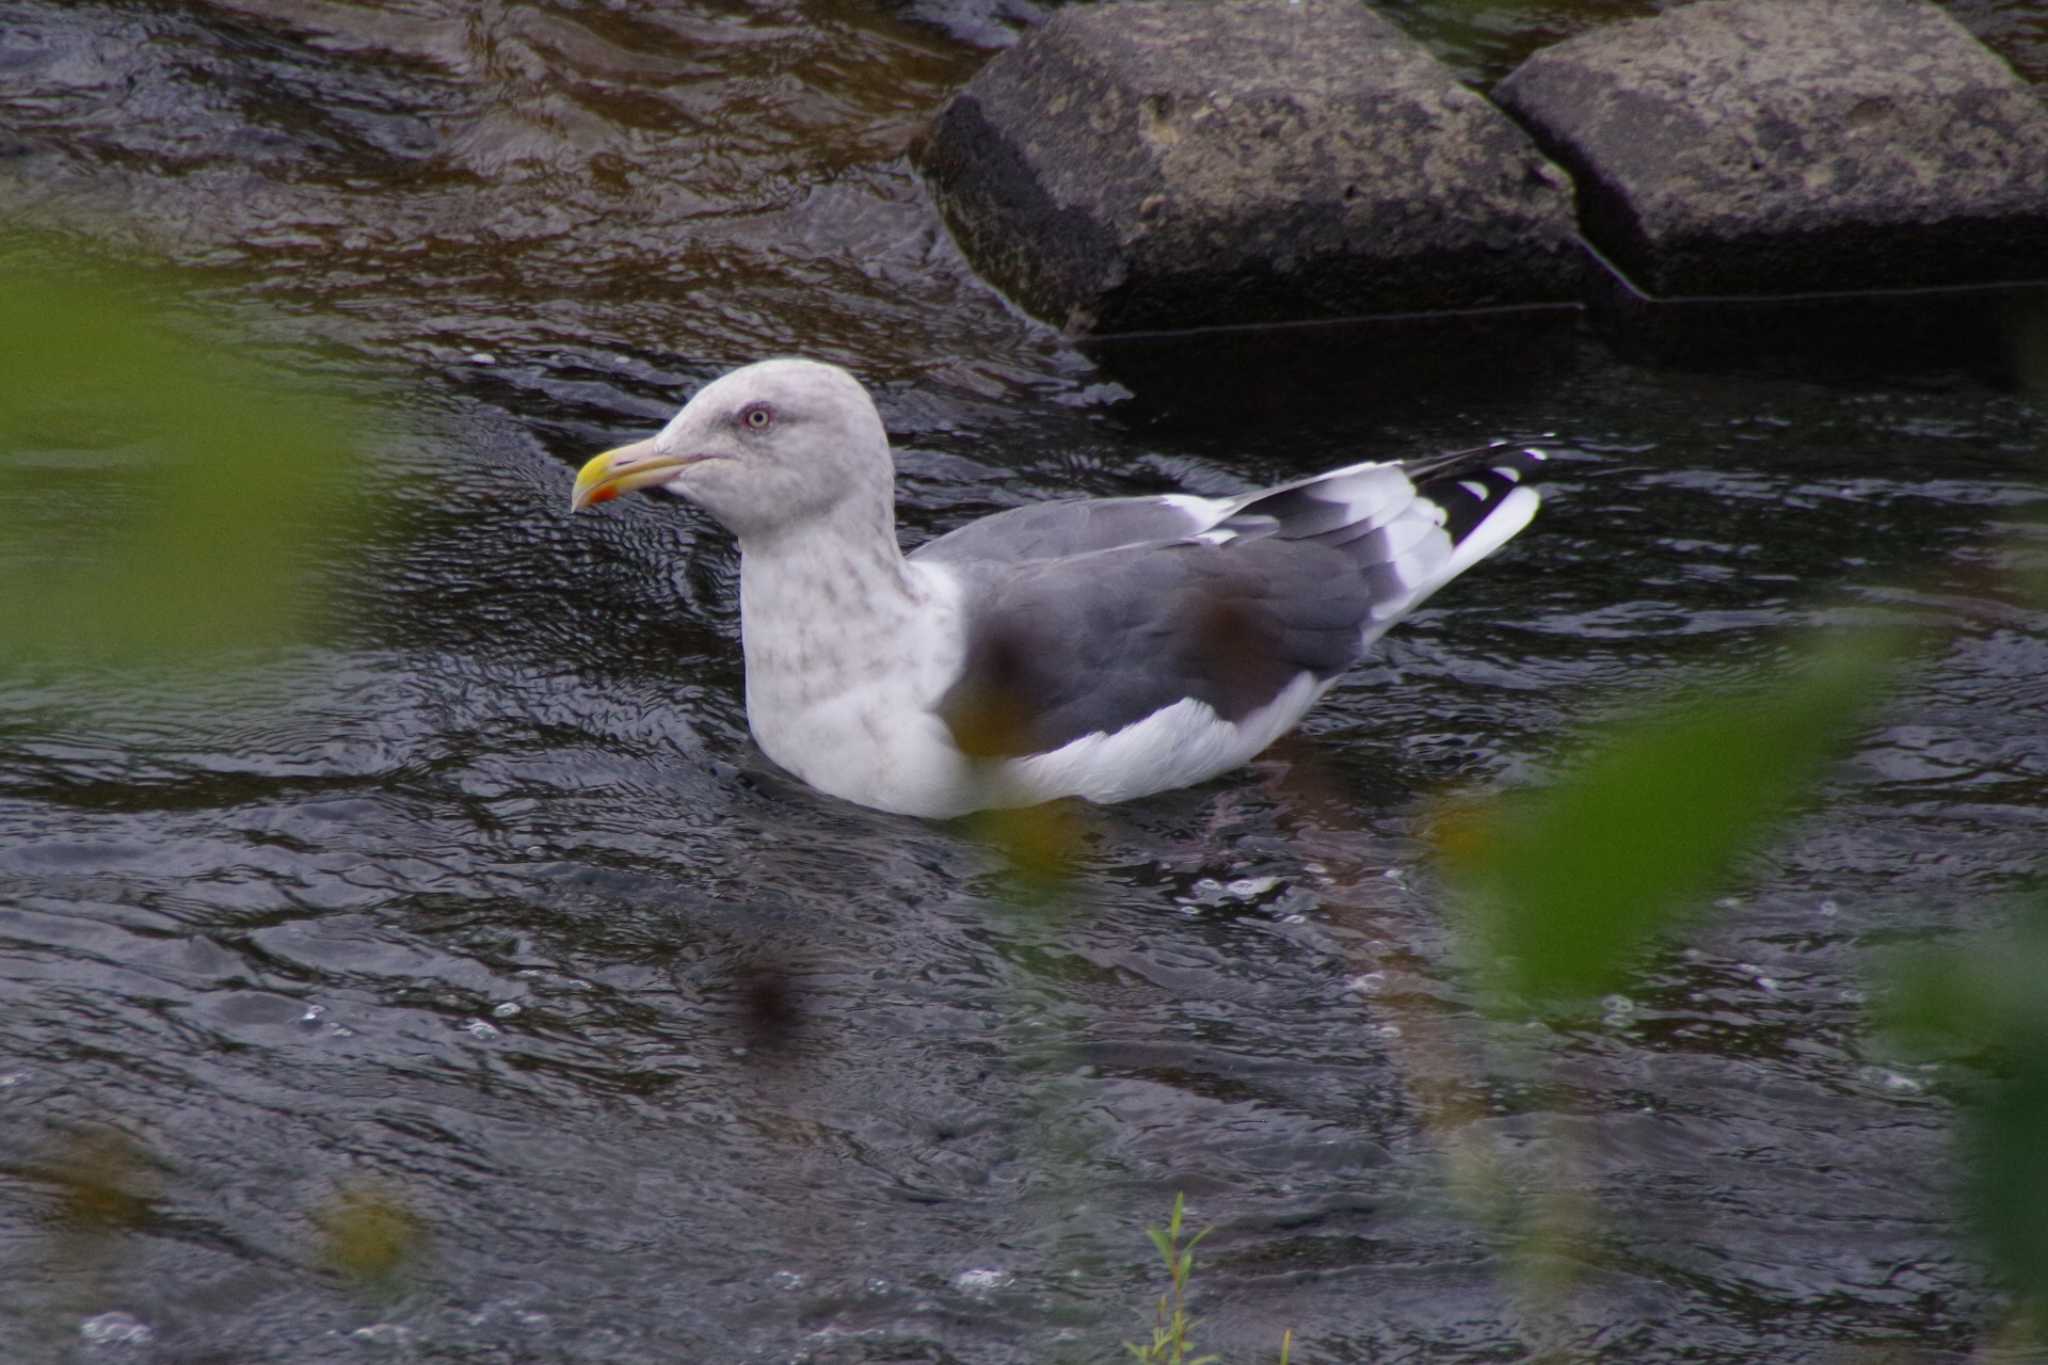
x: 757, y: 417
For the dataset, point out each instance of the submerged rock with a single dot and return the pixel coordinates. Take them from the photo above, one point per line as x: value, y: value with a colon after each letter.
x: 1753, y: 146
x: 1159, y: 166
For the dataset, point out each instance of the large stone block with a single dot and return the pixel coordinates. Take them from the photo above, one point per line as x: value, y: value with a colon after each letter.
x: 1152, y: 166
x: 1761, y: 146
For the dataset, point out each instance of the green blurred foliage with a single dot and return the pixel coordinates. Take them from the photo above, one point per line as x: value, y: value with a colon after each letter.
x: 163, y: 494
x: 1041, y: 846
x: 1987, y: 1003
x: 106, y: 1182
x: 369, y: 1233
x: 1567, y: 884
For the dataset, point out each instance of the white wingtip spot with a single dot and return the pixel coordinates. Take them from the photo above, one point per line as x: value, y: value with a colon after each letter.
x: 1474, y: 487
x: 1508, y: 472
x: 1199, y: 511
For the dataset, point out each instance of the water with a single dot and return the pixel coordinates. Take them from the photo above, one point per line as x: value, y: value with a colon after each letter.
x: 483, y: 925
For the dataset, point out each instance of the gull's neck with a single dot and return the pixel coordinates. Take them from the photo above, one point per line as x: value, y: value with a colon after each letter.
x: 822, y: 605
x: 855, y: 536
x: 822, y: 564
x: 849, y: 647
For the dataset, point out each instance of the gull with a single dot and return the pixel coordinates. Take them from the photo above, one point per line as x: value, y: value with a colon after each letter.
x: 1101, y: 648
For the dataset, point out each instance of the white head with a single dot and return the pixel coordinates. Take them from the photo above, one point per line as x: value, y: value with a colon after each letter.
x: 770, y: 448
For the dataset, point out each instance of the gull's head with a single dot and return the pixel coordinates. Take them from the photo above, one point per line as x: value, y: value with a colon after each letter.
x: 766, y: 448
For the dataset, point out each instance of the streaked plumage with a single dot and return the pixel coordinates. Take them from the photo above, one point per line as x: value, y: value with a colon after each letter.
x: 1104, y: 649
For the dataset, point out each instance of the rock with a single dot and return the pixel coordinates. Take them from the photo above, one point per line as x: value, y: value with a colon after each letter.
x: 1154, y: 166
x: 1755, y: 146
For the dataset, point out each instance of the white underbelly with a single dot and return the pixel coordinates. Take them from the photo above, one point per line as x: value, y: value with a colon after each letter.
x: 877, y: 747
x: 871, y: 743
x: 1177, y: 746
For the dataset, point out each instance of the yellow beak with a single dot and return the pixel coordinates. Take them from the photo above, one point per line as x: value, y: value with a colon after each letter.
x: 638, y: 465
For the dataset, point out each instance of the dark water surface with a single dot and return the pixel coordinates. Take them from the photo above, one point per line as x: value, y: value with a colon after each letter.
x: 483, y: 924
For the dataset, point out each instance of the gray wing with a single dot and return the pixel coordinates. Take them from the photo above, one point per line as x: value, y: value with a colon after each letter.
x: 1228, y: 603
x: 1062, y: 648
x: 1056, y: 530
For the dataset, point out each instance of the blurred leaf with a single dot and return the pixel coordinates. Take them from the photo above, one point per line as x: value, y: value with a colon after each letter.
x: 1988, y: 997
x: 369, y: 1233
x: 1040, y: 844
x: 1567, y: 884
x: 2008, y: 1174
x: 1989, y: 1002
x: 160, y: 494
x: 106, y: 1179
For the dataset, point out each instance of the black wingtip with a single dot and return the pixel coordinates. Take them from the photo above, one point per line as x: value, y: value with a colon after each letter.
x: 1468, y: 485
